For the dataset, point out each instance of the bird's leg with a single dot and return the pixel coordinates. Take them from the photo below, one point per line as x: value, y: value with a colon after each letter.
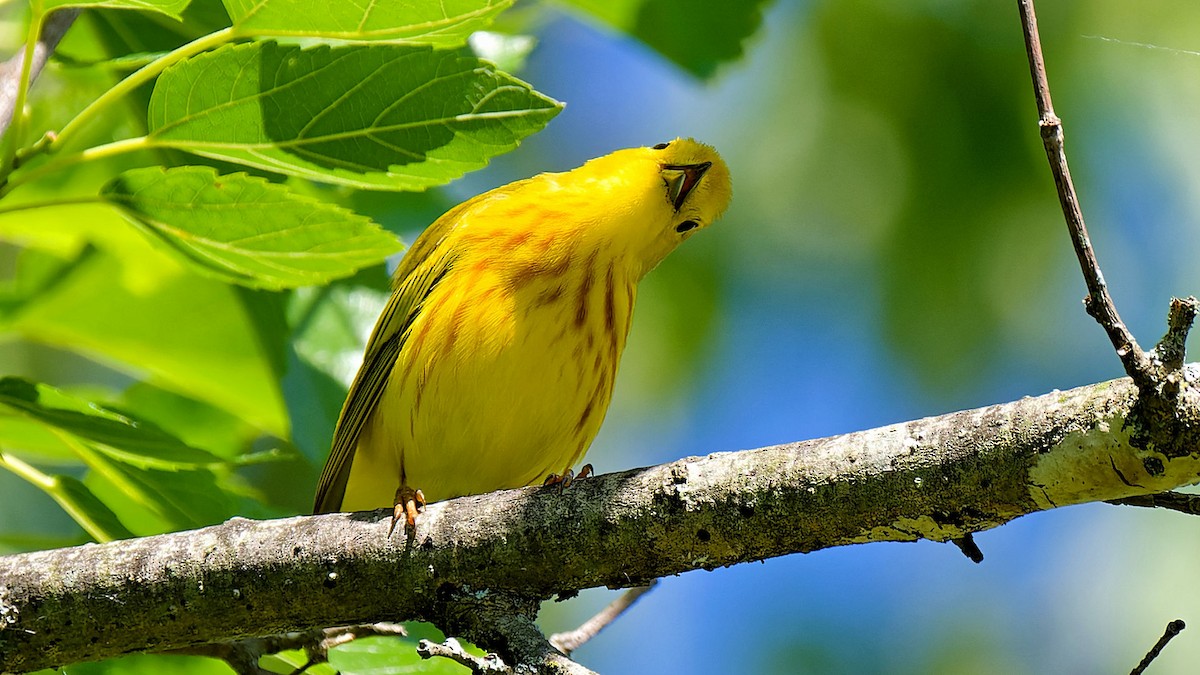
x: 564, y: 481
x: 585, y: 472
x: 407, y: 504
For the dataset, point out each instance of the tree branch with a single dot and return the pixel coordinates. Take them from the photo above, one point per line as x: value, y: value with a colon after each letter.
x: 478, y: 562
x: 1099, y: 303
x: 1172, y: 501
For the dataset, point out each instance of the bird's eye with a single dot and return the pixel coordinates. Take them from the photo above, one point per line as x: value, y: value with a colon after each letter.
x: 661, y: 146
x: 686, y: 225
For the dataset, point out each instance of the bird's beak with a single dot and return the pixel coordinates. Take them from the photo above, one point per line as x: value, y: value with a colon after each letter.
x: 681, y: 179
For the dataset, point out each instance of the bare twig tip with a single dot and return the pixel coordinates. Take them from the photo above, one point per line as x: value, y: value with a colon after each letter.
x: 1173, y: 629
x: 571, y: 640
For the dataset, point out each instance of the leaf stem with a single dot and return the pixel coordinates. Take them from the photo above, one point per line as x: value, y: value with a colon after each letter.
x: 91, y: 154
x: 17, y: 129
x: 48, y: 203
x: 27, y: 471
x: 53, y: 486
x: 137, y: 79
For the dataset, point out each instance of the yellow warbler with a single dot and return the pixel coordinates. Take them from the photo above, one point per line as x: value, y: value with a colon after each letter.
x: 493, y: 362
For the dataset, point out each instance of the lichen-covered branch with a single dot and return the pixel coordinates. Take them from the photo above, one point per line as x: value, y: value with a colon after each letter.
x: 937, y: 478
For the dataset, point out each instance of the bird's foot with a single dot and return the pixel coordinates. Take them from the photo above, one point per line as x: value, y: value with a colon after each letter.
x: 564, y: 481
x: 407, y: 504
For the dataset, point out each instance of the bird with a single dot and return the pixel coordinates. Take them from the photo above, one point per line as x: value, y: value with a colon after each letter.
x: 492, y: 364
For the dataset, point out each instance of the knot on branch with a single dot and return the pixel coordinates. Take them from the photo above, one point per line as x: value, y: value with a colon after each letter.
x: 504, y: 623
x: 1166, y: 416
x: 1170, y: 351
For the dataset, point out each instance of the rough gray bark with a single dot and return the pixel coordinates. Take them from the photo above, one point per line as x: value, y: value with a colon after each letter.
x: 55, y: 27
x: 500, y: 554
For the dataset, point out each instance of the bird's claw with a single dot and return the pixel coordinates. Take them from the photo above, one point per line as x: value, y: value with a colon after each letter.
x: 407, y: 504
x: 564, y: 481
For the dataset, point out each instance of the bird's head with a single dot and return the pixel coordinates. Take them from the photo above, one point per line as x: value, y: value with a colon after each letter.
x: 653, y: 198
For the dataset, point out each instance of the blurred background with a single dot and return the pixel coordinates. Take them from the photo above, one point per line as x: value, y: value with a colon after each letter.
x: 894, y: 250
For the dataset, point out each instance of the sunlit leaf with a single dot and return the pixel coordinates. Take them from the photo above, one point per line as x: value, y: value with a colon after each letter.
x: 194, y: 422
x: 446, y: 23
x: 383, y: 117
x: 330, y: 332
x: 244, y: 230
x: 392, y: 656
x: 292, y: 660
x: 34, y: 272
x: 148, y: 664
x: 172, y: 8
x: 125, y: 439
x: 151, y: 318
x: 92, y: 514
x: 74, y: 497
x: 151, y: 501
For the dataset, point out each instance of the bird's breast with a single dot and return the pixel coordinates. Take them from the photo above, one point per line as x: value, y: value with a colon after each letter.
x: 507, y: 373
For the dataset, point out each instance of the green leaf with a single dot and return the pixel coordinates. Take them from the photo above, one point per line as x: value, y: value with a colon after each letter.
x: 381, y: 117
x: 73, y: 496
x: 86, y: 509
x: 145, y: 314
x: 292, y: 661
x: 245, y: 230
x: 445, y: 24
x: 34, y: 440
x: 152, y: 502
x: 194, y: 422
x: 698, y: 35
x: 147, y: 664
x: 147, y: 490
x: 32, y: 272
x: 124, y: 439
x: 172, y: 8
x: 329, y: 336
x: 114, y: 41
x: 18, y: 542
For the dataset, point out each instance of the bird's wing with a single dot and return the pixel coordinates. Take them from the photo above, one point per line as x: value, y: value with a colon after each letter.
x: 425, y: 264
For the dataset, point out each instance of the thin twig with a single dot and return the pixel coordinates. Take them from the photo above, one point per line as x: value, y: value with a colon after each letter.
x: 454, y: 651
x: 1099, y: 303
x: 53, y: 29
x: 1173, y: 629
x: 1173, y: 501
x: 569, y: 641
